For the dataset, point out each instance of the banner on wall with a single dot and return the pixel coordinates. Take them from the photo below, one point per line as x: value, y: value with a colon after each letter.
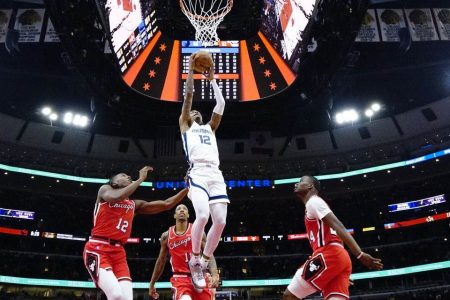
x: 369, y: 28
x: 391, y: 20
x: 51, y: 36
x: 5, y: 16
x: 421, y: 25
x: 29, y: 23
x: 442, y: 16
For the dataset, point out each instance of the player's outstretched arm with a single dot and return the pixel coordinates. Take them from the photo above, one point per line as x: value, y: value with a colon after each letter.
x: 158, y: 269
x: 366, y: 259
x: 220, y: 102
x: 109, y: 194
x: 185, y: 118
x: 155, y: 207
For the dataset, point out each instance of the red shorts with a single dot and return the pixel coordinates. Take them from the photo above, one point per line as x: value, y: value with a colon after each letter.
x: 182, y: 285
x: 101, y: 255
x: 329, y: 270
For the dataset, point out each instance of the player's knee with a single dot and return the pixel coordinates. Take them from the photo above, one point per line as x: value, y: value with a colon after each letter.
x: 202, y: 217
x: 220, y: 222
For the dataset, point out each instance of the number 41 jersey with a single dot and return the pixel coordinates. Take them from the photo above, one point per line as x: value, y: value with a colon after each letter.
x: 113, y: 220
x: 200, y: 145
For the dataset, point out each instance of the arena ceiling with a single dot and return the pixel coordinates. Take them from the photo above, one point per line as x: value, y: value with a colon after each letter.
x: 50, y: 74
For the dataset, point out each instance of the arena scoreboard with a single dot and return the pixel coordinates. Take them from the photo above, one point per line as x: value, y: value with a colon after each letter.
x: 226, y: 68
x: 156, y: 66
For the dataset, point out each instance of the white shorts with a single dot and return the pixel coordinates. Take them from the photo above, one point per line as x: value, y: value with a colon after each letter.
x: 299, y: 287
x: 209, y: 179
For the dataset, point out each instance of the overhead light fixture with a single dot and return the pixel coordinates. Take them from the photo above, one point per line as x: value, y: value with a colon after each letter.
x: 347, y: 116
x: 339, y: 118
x: 369, y: 113
x: 68, y: 117
x: 53, y: 117
x: 83, y: 121
x: 46, y: 111
x: 375, y: 107
x: 76, y: 120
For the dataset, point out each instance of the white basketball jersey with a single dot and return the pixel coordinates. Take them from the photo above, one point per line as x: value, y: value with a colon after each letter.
x: 200, y: 145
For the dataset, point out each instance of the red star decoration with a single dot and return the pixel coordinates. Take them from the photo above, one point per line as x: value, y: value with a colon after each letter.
x: 157, y: 60
x: 146, y: 86
x: 152, y: 73
x: 273, y: 86
x: 256, y: 47
x: 162, y: 47
x: 267, y: 73
x: 262, y: 60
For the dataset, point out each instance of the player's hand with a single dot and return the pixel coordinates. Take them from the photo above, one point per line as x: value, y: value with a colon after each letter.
x: 152, y: 292
x: 371, y: 262
x: 213, y: 281
x: 191, y: 61
x: 144, y: 172
x: 210, y: 73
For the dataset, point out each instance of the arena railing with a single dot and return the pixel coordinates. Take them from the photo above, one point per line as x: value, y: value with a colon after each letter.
x: 399, y: 164
x: 226, y: 283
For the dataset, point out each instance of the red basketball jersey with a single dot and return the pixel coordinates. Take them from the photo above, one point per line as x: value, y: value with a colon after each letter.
x: 114, y: 220
x: 319, y: 233
x: 180, y: 249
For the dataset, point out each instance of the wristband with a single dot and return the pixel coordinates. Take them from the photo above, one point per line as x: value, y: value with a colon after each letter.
x: 360, y: 255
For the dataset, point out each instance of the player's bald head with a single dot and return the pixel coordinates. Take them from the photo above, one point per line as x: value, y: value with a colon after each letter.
x: 312, y: 180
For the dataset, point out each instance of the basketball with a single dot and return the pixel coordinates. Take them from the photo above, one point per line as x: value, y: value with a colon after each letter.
x: 202, y: 61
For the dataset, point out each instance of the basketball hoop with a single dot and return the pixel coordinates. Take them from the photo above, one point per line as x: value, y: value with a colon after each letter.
x: 205, y: 16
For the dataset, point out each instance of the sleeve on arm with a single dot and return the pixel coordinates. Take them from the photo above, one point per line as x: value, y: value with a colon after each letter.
x: 317, y: 208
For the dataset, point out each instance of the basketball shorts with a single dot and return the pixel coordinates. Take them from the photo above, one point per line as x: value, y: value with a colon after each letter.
x: 328, y: 270
x: 209, y: 179
x: 102, y: 255
x: 182, y: 285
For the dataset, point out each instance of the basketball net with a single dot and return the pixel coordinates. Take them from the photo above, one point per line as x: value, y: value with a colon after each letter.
x: 205, y: 16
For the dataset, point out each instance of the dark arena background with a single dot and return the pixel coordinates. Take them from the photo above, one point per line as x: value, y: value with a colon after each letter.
x: 355, y: 92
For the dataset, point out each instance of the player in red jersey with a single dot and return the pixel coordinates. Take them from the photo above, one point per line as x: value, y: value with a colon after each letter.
x: 329, y: 267
x: 177, y: 242
x: 104, y: 255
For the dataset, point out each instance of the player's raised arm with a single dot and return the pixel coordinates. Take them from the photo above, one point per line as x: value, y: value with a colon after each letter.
x: 155, y: 207
x: 158, y: 269
x: 220, y: 102
x: 366, y: 259
x: 113, y: 192
x: 185, y: 119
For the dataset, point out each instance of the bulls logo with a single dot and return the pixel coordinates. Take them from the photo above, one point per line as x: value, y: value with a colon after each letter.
x: 92, y: 265
x: 313, y: 267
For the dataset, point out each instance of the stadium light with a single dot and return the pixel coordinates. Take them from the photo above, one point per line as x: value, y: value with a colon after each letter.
x: 68, y: 117
x: 375, y: 107
x: 46, y: 111
x: 347, y: 116
x: 83, y: 121
x: 339, y: 118
x: 369, y: 113
x: 76, y: 120
x: 53, y: 117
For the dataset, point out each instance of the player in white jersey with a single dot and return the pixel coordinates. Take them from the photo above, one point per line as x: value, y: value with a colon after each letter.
x: 207, y: 187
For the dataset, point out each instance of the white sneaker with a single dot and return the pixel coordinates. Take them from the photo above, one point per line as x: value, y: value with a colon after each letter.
x: 204, y: 263
x: 198, y: 280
